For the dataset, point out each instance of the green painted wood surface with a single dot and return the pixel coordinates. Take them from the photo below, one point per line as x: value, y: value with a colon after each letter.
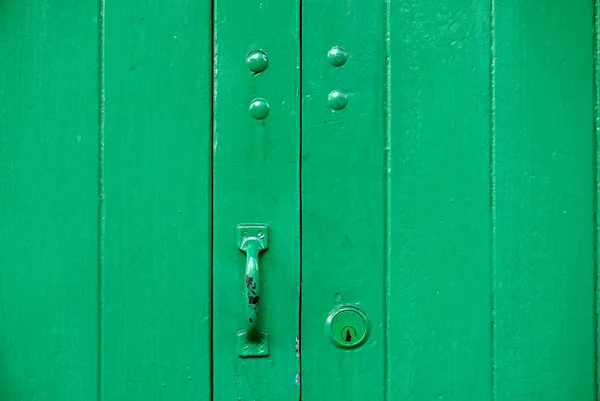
x: 543, y: 254
x: 48, y: 200
x: 439, y: 271
x: 453, y: 199
x: 256, y: 180
x: 597, y: 177
x: 156, y: 201
x: 343, y: 196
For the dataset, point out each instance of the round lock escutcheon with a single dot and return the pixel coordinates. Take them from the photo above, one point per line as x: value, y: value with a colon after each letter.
x: 347, y: 326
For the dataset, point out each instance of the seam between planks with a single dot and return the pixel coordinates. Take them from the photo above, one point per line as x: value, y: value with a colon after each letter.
x: 492, y: 154
x: 212, y: 198
x: 300, y: 197
x: 596, y: 78
x: 101, y: 205
x: 387, y: 102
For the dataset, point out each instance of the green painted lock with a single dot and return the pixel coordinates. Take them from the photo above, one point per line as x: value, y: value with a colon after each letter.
x: 347, y: 326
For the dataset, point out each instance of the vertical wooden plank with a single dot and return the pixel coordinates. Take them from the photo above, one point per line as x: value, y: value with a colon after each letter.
x: 256, y: 180
x: 343, y: 194
x: 48, y: 200
x: 439, y: 301
x: 157, y: 151
x: 597, y: 185
x: 544, y: 250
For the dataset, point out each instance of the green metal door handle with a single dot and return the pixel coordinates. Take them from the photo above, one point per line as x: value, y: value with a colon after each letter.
x: 252, y: 239
x: 252, y: 247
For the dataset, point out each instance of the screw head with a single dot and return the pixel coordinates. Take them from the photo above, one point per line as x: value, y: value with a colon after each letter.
x: 337, y: 56
x: 337, y: 99
x: 257, y: 61
x: 259, y: 109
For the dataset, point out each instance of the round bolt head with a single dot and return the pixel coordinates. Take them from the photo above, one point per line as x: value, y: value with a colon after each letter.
x: 257, y: 61
x: 259, y: 109
x: 337, y: 99
x: 337, y: 56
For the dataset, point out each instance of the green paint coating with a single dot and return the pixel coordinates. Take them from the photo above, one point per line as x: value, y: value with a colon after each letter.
x: 453, y: 200
x: 343, y: 197
x: 256, y: 178
x: 543, y: 248
x: 49, y: 285
x: 439, y: 260
x: 157, y: 150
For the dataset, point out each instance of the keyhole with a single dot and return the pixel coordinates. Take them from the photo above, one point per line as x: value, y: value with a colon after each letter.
x: 348, y: 336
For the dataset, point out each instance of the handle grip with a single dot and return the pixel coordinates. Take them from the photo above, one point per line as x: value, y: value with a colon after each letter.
x: 252, y: 248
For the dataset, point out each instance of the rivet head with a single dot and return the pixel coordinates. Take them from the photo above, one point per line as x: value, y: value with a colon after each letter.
x: 337, y: 56
x: 257, y: 61
x: 259, y: 108
x: 337, y: 99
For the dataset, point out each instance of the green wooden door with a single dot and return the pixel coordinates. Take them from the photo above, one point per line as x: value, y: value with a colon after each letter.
x: 298, y: 199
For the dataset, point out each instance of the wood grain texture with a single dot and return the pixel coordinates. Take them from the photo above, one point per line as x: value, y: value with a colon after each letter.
x: 256, y: 180
x: 48, y: 200
x: 544, y: 250
x: 157, y: 152
x: 439, y: 305
x: 343, y: 195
